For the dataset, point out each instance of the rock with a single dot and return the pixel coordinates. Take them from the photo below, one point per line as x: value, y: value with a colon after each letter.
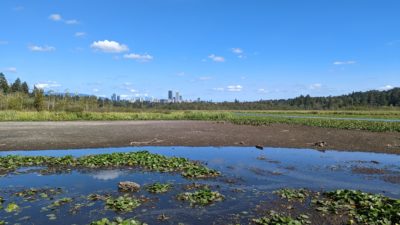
x: 128, y: 186
x: 320, y: 144
x: 259, y: 147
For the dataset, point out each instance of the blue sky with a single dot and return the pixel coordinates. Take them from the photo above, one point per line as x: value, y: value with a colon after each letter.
x: 212, y: 49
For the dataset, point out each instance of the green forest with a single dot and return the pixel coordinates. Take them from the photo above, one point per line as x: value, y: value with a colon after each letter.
x: 18, y: 96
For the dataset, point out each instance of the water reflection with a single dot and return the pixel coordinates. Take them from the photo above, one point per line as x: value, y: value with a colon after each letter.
x: 107, y: 174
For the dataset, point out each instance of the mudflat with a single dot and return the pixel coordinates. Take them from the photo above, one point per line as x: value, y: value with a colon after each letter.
x: 94, y: 134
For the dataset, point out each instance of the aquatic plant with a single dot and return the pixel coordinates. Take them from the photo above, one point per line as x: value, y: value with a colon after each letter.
x: 290, y: 194
x: 363, y: 208
x: 158, y: 188
x: 275, y: 218
x: 60, y: 202
x: 117, y: 221
x: 201, y: 197
x: 33, y: 194
x: 141, y: 159
x: 11, y: 207
x: 122, y: 203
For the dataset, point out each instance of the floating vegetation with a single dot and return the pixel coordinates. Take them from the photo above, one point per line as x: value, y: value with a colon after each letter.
x: 291, y: 194
x: 11, y: 207
x: 275, y: 218
x: 33, y: 194
x: 194, y: 186
x: 141, y: 159
x: 117, y: 221
x: 123, y: 203
x: 60, y: 202
x: 158, y: 188
x: 363, y: 208
x: 201, y: 197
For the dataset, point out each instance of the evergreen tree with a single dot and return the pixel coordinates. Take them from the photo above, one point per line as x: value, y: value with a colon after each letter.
x: 25, y: 88
x: 16, y: 86
x: 3, y: 84
x: 39, y: 99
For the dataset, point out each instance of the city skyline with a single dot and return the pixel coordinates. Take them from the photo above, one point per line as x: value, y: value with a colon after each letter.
x: 216, y: 50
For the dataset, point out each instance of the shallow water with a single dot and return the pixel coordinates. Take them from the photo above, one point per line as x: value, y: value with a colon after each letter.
x: 318, y: 117
x: 248, y: 177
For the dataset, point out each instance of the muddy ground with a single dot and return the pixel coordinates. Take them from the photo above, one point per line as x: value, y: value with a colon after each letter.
x: 92, y: 134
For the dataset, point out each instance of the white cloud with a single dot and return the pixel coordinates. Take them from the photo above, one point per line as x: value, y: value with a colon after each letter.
x: 344, y: 62
x: 216, y: 58
x: 386, y: 88
x: 55, y: 17
x: 138, y: 57
x: 80, y: 34
x: 234, y: 88
x: 133, y: 90
x: 181, y: 74
x: 37, y: 48
x: 109, y: 46
x: 205, y: 78
x: 218, y: 89
x: 71, y: 22
x: 315, y: 86
x: 95, y: 90
x: 3, y: 42
x: 47, y: 85
x: 58, y: 18
x: 237, y: 51
x: 11, y: 69
x: 262, y: 90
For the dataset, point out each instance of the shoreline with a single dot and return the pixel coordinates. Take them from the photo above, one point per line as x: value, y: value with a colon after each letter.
x: 103, y: 134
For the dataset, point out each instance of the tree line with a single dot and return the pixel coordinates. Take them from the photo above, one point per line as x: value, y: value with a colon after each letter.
x: 18, y: 96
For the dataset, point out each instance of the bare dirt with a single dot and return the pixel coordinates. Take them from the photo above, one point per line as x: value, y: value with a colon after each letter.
x: 94, y: 134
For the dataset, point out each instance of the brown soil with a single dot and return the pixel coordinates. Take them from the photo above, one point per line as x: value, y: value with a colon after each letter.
x: 93, y: 134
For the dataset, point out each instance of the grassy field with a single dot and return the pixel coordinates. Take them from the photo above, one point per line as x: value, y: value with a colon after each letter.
x: 229, y: 116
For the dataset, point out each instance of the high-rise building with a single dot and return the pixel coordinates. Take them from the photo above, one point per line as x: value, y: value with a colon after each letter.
x: 114, y: 97
x: 177, y: 96
x: 170, y: 95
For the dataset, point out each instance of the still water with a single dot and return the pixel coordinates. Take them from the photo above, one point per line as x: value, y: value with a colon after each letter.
x: 248, y: 176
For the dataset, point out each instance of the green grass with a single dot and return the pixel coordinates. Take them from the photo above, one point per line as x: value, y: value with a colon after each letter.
x: 229, y: 116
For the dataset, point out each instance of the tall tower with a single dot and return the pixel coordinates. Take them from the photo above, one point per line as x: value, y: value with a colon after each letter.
x: 169, y: 95
x: 177, y: 96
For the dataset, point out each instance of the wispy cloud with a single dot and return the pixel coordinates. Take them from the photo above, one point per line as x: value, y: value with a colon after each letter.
x: 204, y: 78
x: 80, y: 34
x: 11, y: 69
x: 47, y: 85
x: 218, y: 89
x: 394, y: 42
x: 139, y: 57
x: 2, y: 42
x: 239, y: 52
x: 315, y: 86
x: 18, y: 8
x: 234, y: 88
x: 58, y: 18
x: 385, y: 88
x: 109, y: 46
x: 37, y: 48
x: 71, y: 22
x: 216, y: 58
x: 262, y: 90
x: 55, y: 17
x: 344, y: 62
